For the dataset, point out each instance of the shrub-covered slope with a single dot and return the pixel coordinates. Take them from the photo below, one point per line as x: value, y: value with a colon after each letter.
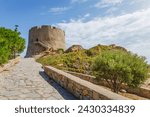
x: 79, y: 61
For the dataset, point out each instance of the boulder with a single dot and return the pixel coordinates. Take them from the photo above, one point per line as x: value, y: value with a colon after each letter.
x: 74, y: 48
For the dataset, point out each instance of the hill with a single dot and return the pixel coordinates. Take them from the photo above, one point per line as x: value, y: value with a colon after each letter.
x: 77, y: 61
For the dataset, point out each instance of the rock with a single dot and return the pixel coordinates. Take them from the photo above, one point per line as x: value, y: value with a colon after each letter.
x: 112, y: 45
x: 95, y: 96
x: 117, y: 47
x: 85, y: 92
x: 123, y: 91
x: 74, y: 48
x: 60, y: 65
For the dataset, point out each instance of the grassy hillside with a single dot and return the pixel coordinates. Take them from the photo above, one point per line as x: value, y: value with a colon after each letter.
x: 77, y: 61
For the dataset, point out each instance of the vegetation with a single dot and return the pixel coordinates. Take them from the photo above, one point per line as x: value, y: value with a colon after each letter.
x: 149, y: 68
x: 73, y: 61
x: 79, y: 61
x: 11, y: 44
x: 118, y: 67
x: 60, y: 51
x: 4, y: 53
x: 149, y: 71
x: 111, y: 63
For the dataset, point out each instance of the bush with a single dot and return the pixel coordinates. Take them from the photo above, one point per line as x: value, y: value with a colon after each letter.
x: 4, y: 51
x: 11, y: 44
x: 74, y: 61
x: 60, y: 51
x: 94, y: 51
x: 118, y: 67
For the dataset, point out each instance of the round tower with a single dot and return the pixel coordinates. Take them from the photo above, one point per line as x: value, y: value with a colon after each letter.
x: 44, y: 38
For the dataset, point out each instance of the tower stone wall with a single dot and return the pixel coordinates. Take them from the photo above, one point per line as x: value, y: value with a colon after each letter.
x: 44, y: 38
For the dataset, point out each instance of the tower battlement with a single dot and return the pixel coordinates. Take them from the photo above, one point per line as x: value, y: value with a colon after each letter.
x: 45, y: 27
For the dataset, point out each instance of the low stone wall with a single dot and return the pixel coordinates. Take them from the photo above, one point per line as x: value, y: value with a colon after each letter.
x: 84, y: 76
x: 82, y: 89
x: 9, y: 64
x: 141, y: 91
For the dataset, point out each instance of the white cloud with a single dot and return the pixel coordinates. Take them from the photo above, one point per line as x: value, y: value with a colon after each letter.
x: 87, y: 15
x: 107, y: 3
x: 111, y: 10
x: 58, y: 10
x: 111, y: 1
x: 129, y: 30
x: 82, y: 18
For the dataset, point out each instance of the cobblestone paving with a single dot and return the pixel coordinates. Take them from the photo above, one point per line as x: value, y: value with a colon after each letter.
x: 27, y: 81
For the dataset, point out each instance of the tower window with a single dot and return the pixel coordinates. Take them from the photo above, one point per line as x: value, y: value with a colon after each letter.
x: 37, y: 40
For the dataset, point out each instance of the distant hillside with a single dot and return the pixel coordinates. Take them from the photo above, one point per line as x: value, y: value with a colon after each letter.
x: 79, y: 60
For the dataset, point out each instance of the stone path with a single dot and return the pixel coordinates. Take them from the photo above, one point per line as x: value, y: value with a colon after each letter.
x: 26, y: 80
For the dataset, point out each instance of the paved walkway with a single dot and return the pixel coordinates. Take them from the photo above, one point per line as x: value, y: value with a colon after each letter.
x: 26, y: 80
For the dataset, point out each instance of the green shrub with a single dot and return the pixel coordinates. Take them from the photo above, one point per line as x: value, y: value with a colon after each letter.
x: 4, y: 51
x: 60, y: 51
x: 149, y: 68
x: 73, y: 61
x: 94, y: 51
x: 118, y: 67
x: 11, y: 44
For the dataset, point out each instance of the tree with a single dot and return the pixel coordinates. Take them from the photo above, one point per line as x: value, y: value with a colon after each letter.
x: 118, y: 67
x: 11, y: 43
x: 4, y: 51
x: 16, y: 28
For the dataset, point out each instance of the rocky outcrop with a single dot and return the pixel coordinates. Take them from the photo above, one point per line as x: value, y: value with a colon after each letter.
x: 113, y: 46
x: 74, y: 48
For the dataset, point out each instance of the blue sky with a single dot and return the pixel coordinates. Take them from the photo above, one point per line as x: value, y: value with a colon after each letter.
x: 86, y: 22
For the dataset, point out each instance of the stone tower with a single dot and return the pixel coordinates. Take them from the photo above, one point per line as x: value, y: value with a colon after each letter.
x: 43, y: 39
